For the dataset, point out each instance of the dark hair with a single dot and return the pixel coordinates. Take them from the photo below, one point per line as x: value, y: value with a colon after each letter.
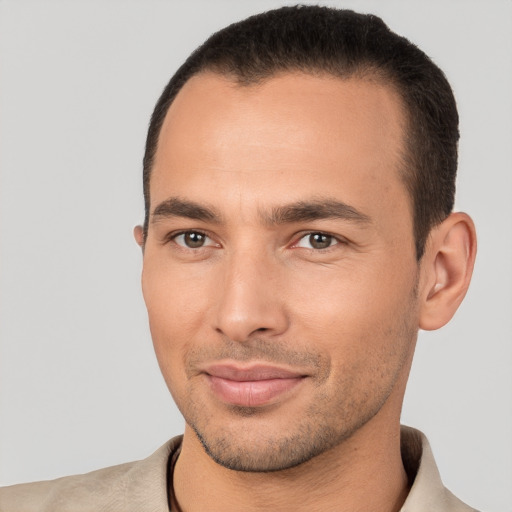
x: 344, y: 44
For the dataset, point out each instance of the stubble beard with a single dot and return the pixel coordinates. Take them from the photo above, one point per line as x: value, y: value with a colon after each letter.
x: 287, y: 451
x: 321, y: 427
x: 327, y: 422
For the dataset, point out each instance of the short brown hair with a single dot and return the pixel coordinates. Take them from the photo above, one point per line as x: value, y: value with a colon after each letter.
x: 344, y: 44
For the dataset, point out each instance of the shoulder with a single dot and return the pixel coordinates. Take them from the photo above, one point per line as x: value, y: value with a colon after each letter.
x: 136, y: 486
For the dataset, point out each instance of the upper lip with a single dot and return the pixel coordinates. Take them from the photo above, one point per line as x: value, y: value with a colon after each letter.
x: 253, y: 372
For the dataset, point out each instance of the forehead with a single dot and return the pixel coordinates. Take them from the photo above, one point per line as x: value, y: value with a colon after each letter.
x: 305, y: 133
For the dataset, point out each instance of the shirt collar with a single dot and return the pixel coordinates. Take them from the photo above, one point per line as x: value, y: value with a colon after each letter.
x: 427, y: 491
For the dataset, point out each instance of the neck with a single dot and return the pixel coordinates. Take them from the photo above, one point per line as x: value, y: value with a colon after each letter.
x: 364, y: 473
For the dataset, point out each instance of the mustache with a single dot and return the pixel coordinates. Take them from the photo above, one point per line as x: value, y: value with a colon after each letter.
x: 256, y: 349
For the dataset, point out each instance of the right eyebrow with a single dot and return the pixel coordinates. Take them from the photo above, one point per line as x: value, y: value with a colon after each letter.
x: 317, y: 209
x: 176, y: 207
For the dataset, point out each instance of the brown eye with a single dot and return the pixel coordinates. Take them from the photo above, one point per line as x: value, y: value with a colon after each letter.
x: 191, y: 239
x: 317, y: 241
x: 194, y: 240
x: 320, y: 240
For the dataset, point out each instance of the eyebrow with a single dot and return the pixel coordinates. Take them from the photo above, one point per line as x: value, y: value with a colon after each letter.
x: 315, y: 210
x: 177, y: 207
x: 299, y: 211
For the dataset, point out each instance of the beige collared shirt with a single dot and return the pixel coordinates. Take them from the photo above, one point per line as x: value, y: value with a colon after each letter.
x: 142, y: 486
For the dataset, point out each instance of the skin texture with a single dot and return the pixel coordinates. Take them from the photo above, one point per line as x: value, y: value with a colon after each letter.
x: 234, y: 276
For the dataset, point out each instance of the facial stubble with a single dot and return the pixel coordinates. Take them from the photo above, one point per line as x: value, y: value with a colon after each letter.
x: 325, y: 423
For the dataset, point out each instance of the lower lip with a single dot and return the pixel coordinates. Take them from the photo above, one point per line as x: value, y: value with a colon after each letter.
x: 252, y: 393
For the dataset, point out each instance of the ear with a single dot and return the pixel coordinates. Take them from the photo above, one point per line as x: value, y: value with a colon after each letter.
x: 138, y: 234
x: 447, y: 267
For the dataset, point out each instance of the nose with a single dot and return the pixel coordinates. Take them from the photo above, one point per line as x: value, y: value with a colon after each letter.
x: 250, y: 301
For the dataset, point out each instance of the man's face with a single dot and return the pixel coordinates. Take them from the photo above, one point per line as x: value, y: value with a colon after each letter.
x: 279, y: 268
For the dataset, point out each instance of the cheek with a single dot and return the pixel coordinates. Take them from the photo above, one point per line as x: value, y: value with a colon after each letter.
x: 176, y: 305
x: 354, y: 312
x: 175, y: 295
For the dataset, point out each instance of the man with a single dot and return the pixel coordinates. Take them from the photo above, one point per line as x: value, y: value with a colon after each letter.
x: 299, y: 182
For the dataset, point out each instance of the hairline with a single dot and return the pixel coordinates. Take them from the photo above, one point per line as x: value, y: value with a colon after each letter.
x: 363, y: 71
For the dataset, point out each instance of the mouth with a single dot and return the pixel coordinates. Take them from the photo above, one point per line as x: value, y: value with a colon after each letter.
x: 251, y: 386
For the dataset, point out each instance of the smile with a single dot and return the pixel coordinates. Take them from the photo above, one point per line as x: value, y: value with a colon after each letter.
x: 251, y: 387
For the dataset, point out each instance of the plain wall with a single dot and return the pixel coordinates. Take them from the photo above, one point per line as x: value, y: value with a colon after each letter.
x: 79, y: 385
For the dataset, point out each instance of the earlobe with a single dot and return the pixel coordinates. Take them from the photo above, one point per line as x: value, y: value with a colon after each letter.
x: 138, y: 234
x: 448, y: 266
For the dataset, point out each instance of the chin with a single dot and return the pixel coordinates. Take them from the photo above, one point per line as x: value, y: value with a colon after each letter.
x: 260, y: 446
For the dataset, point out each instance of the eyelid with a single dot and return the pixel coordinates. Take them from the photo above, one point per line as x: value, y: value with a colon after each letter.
x: 171, y: 237
x: 339, y: 240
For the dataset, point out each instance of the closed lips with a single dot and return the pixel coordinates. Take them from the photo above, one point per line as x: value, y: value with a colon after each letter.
x: 253, y: 386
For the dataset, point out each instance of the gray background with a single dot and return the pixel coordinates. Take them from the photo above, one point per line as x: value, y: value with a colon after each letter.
x: 79, y: 384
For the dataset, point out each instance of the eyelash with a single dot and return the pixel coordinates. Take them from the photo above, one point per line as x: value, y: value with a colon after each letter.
x: 173, y: 236
x: 334, y: 239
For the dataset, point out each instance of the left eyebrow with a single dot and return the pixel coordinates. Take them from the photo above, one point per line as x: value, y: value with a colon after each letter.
x: 178, y: 207
x: 315, y: 210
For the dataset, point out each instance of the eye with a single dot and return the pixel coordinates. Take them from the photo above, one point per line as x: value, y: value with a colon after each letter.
x: 193, y: 240
x: 317, y: 241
